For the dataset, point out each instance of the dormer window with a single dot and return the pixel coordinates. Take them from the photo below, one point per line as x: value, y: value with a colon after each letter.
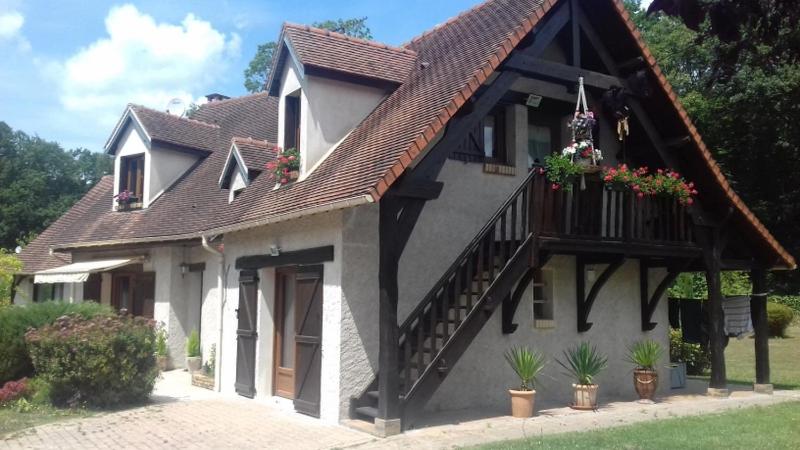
x: 131, y: 182
x: 291, y: 136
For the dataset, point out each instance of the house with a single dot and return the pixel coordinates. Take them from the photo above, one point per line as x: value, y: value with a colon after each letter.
x: 421, y: 238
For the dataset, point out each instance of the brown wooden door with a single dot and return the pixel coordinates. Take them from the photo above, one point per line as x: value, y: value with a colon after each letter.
x: 284, y: 332
x: 308, y: 339
x: 246, y: 334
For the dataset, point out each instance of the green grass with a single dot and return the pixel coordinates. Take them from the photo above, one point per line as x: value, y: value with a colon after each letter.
x: 784, y: 360
x: 773, y: 427
x: 12, y: 419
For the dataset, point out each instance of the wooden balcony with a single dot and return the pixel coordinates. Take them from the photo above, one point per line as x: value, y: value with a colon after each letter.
x: 595, y: 218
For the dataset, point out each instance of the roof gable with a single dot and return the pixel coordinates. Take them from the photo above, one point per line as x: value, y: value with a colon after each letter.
x: 328, y: 54
x: 248, y: 157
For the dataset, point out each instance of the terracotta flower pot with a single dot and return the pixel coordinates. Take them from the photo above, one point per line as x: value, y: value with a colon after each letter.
x: 645, y: 382
x: 585, y: 396
x: 162, y: 362
x: 294, y: 175
x: 193, y: 363
x: 522, y: 403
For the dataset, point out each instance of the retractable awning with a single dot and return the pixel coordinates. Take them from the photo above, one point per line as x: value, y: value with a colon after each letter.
x: 79, y: 272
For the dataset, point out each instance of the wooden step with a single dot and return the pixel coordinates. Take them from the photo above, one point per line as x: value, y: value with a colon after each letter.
x: 369, y: 411
x: 373, y: 395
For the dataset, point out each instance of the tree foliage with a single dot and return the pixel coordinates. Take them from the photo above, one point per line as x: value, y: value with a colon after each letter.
x: 39, y: 181
x: 9, y: 265
x: 257, y: 72
x: 745, y: 103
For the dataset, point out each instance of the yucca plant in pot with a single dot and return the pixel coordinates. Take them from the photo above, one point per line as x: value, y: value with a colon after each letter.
x: 645, y: 356
x: 193, y: 358
x: 527, y: 364
x: 583, y: 362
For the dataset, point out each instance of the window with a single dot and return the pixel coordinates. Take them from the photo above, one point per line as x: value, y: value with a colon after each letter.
x: 543, y: 296
x: 494, y: 145
x: 291, y: 126
x: 45, y: 292
x: 131, y: 171
x: 543, y: 136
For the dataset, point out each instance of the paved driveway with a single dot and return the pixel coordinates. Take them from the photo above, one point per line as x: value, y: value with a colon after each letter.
x: 186, y: 417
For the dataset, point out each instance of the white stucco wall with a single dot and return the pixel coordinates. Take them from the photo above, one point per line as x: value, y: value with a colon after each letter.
x: 162, y: 167
x: 313, y: 231
x: 329, y: 110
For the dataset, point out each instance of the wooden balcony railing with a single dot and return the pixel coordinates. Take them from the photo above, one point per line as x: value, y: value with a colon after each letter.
x: 600, y: 213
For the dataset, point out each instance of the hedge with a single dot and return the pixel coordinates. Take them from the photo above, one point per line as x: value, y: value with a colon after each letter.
x: 696, y: 357
x: 792, y: 301
x: 103, y: 361
x: 15, y: 362
x: 778, y: 319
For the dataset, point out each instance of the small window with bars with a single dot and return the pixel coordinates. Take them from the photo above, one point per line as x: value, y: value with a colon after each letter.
x: 543, y: 299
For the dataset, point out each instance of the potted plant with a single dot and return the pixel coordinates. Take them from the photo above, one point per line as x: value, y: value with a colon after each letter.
x: 645, y: 355
x: 124, y: 200
x: 193, y: 360
x: 527, y: 364
x: 583, y: 362
x: 286, y: 166
x: 162, y: 352
x: 560, y: 171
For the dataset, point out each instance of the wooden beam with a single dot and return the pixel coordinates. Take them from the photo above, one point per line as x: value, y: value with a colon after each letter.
x: 758, y: 313
x: 650, y: 302
x: 585, y: 302
x: 511, y: 303
x: 562, y: 73
x: 547, y: 30
x: 575, y: 32
x: 293, y: 258
x: 711, y: 239
x: 388, y: 297
x: 677, y: 142
x: 632, y: 64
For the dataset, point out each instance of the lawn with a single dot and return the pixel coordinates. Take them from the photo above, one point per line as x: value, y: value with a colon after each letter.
x: 12, y: 419
x: 784, y: 360
x: 773, y: 427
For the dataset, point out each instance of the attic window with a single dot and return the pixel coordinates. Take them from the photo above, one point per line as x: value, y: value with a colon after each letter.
x: 291, y: 130
x: 494, y: 145
x: 131, y: 172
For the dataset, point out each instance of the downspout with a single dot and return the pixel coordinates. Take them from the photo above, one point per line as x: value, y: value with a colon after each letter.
x: 222, y: 288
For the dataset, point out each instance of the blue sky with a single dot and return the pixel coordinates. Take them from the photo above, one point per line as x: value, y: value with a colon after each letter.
x: 70, y: 67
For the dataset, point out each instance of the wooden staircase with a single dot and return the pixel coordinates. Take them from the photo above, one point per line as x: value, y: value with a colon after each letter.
x: 442, y: 326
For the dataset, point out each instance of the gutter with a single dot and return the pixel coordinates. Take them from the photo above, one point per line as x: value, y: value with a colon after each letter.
x: 222, y: 277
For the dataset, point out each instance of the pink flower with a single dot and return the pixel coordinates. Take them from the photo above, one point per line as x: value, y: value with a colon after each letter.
x: 284, y: 160
x: 640, y: 195
x: 689, y: 201
x: 284, y: 180
x: 555, y: 186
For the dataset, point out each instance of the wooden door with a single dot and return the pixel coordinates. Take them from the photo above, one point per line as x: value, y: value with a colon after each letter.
x: 246, y: 334
x: 284, y: 332
x: 308, y: 339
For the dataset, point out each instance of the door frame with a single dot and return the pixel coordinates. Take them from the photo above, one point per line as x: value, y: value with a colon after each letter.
x: 280, y: 305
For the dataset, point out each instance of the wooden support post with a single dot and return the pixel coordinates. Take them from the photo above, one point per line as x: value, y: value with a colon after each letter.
x: 712, y: 242
x: 758, y: 312
x: 388, y: 374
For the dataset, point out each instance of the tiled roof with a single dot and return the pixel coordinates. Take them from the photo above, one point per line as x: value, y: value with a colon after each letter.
x: 179, y: 131
x: 459, y: 55
x: 255, y: 153
x: 325, y: 50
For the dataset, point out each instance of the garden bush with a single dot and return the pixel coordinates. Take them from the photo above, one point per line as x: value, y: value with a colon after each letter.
x: 13, y: 390
x: 16, y: 320
x: 696, y: 357
x: 792, y: 301
x: 778, y: 319
x: 103, y: 361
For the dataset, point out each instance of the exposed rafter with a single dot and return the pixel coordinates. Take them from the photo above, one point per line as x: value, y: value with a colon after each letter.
x: 649, y: 302
x: 585, y: 302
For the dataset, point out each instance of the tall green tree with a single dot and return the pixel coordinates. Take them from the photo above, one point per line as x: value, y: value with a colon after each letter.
x: 39, y: 181
x: 257, y: 72
x: 746, y: 105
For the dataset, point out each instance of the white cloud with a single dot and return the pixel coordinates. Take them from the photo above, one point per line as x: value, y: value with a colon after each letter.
x: 11, y: 30
x: 143, y: 61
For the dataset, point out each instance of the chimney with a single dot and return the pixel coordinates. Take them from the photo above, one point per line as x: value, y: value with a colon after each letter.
x: 216, y: 97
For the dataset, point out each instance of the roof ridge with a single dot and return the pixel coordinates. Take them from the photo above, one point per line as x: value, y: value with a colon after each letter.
x: 446, y: 23
x: 250, y: 140
x: 166, y: 114
x: 232, y: 99
x: 372, y: 43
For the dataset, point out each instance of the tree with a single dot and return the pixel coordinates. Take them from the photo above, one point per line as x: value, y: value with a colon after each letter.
x: 257, y: 72
x: 746, y: 108
x: 9, y: 265
x: 39, y: 181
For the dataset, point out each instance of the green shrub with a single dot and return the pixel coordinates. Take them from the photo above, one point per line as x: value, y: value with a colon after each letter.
x: 792, y: 301
x: 38, y: 391
x: 103, y: 361
x: 16, y: 320
x: 193, y: 344
x: 778, y: 319
x: 696, y: 357
x: 161, y: 341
